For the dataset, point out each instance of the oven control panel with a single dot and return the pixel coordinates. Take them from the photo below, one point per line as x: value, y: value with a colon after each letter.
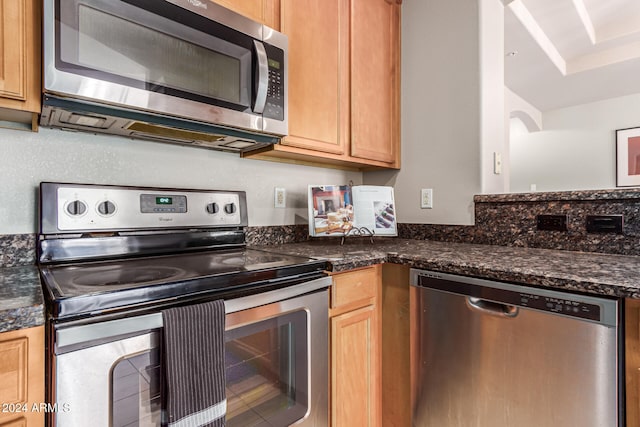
x: 95, y: 208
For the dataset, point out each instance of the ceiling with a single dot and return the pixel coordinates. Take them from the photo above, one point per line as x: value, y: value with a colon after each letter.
x: 560, y: 53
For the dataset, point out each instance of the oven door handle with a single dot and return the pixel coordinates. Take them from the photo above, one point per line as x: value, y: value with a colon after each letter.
x: 74, y: 336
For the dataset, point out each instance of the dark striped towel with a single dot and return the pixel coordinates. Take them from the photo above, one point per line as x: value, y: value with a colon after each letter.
x: 194, y: 365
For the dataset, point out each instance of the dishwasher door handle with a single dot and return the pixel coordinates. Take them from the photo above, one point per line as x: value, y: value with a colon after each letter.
x: 492, y: 308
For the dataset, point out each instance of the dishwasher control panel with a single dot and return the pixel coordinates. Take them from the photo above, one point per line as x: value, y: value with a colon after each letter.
x: 502, y: 297
x: 564, y: 306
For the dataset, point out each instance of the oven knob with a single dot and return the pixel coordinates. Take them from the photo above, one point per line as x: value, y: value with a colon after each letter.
x: 106, y: 208
x: 76, y: 208
x: 230, y: 208
x: 212, y: 208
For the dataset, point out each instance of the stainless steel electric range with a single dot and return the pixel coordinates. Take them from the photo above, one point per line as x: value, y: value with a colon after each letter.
x: 112, y: 258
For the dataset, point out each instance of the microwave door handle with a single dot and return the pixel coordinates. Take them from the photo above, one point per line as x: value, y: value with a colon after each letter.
x: 263, y: 77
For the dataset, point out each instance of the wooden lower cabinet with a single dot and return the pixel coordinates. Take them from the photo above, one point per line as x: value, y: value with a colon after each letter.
x: 22, y: 377
x: 632, y: 361
x: 355, y: 378
x: 396, y: 363
x: 355, y: 348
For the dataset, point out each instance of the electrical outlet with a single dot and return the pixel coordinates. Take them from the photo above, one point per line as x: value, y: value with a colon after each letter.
x: 280, y: 197
x: 426, y: 198
x: 551, y: 222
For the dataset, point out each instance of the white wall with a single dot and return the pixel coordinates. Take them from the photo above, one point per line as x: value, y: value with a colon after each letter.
x: 575, y: 149
x: 492, y: 97
x: 447, y: 144
x: 28, y: 158
x: 518, y: 107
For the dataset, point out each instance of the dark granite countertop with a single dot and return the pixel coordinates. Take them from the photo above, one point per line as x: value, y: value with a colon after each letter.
x: 21, y: 301
x: 600, y: 274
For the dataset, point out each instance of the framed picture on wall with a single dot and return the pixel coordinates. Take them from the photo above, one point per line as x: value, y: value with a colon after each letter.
x: 628, y: 157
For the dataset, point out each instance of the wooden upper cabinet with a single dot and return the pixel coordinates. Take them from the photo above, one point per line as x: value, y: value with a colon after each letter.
x: 20, y: 87
x: 375, y: 48
x: 343, y: 84
x: 13, y: 80
x: 264, y: 11
x: 318, y: 64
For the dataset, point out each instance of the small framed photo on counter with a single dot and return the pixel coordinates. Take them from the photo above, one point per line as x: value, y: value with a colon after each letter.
x: 628, y: 157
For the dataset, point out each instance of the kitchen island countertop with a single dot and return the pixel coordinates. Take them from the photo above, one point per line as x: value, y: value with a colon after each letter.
x: 593, y: 273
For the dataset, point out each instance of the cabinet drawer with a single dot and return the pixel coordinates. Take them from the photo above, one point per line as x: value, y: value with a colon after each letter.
x: 353, y: 286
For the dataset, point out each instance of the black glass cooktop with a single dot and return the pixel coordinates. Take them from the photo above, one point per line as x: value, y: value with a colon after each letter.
x: 92, y: 288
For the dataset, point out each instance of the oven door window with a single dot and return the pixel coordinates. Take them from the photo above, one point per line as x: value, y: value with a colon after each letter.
x: 168, y: 50
x: 267, y: 384
x: 267, y: 371
x: 135, y: 382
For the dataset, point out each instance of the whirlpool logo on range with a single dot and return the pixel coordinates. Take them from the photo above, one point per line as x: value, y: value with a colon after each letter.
x: 162, y: 219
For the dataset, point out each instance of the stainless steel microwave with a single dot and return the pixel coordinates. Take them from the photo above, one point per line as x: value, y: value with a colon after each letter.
x: 182, y: 71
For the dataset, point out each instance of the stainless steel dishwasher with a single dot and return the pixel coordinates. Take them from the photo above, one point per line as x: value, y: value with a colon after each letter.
x: 494, y: 354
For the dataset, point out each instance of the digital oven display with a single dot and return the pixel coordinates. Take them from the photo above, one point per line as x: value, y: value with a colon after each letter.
x: 154, y: 203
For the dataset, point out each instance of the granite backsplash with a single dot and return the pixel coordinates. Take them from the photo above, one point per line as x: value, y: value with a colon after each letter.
x: 17, y: 249
x: 500, y: 219
x: 511, y: 220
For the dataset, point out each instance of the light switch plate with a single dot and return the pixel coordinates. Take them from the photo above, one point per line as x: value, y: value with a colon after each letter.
x: 497, y: 163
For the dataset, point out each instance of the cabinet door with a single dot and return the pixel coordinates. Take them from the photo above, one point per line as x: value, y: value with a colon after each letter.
x: 22, y: 377
x: 19, y: 53
x: 264, y: 11
x: 355, y: 355
x: 375, y: 66
x: 632, y: 361
x: 318, y: 73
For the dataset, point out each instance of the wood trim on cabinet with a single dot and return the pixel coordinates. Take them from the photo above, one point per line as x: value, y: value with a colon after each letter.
x: 301, y: 156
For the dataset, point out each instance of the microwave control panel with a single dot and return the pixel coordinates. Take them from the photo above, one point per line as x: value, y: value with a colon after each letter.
x: 274, y: 108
